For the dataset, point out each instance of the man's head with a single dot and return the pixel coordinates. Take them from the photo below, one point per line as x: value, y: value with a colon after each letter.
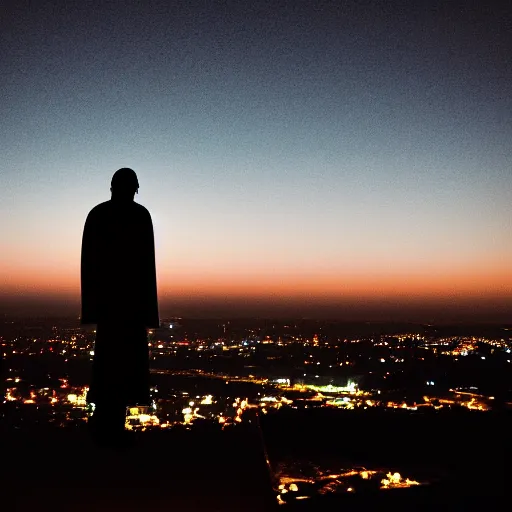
x: 124, y: 184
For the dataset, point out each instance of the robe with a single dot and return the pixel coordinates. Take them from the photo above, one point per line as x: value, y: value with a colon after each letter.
x: 118, y: 281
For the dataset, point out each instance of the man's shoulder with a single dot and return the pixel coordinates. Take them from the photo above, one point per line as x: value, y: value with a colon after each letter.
x: 99, y: 209
x: 141, y: 209
x: 141, y: 213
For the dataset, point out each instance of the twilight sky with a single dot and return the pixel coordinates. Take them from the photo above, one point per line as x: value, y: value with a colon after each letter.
x: 350, y: 159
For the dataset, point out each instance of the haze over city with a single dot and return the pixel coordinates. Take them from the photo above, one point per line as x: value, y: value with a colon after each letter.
x: 317, y: 159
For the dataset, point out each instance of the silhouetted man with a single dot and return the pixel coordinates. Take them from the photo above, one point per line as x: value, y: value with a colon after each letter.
x: 119, y: 295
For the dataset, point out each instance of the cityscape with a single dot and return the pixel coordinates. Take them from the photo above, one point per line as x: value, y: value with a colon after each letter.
x: 219, y: 375
x: 213, y: 376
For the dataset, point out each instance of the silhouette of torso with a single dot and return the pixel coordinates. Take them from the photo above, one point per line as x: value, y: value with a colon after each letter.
x: 118, y: 265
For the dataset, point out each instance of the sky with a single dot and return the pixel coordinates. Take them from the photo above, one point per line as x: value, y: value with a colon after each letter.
x: 344, y: 159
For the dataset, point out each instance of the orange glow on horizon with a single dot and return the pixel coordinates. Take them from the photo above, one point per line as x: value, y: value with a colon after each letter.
x: 490, y: 281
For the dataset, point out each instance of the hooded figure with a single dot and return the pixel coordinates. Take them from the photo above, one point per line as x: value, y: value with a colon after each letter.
x: 118, y: 281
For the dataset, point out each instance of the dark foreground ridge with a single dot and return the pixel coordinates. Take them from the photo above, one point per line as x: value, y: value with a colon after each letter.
x: 61, y: 469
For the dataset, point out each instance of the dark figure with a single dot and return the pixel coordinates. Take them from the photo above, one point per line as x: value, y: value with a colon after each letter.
x: 119, y: 295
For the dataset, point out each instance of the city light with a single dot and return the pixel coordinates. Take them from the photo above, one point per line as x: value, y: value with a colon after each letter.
x: 64, y: 403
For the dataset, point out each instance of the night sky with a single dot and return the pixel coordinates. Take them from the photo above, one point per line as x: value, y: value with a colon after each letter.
x: 344, y: 159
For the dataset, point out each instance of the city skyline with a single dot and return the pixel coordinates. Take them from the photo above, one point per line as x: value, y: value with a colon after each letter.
x: 298, y: 158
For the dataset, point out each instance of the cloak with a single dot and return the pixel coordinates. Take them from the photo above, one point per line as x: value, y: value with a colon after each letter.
x: 119, y: 294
